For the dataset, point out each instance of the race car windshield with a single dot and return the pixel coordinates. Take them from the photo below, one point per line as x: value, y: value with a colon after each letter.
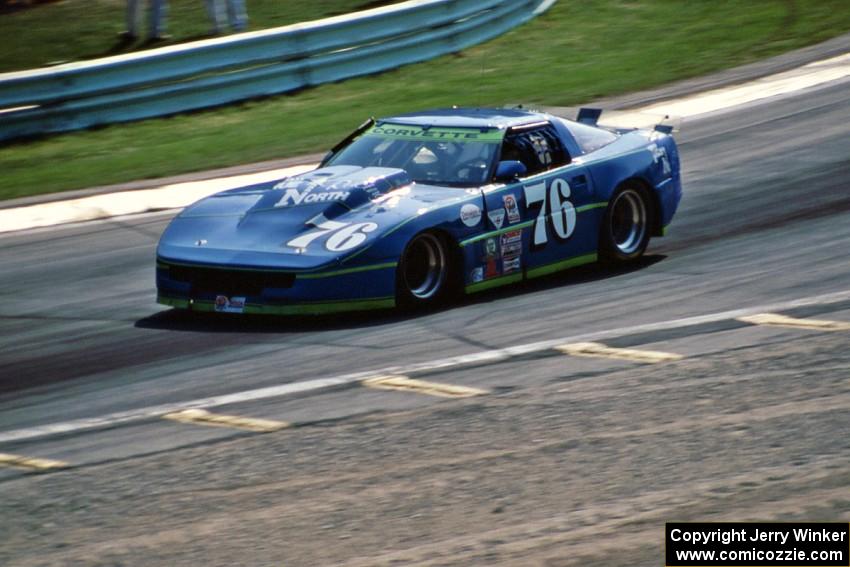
x: 457, y: 157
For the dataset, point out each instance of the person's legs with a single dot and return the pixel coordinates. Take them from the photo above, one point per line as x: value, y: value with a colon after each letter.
x: 215, y: 9
x: 237, y: 15
x: 133, y: 16
x: 158, y: 14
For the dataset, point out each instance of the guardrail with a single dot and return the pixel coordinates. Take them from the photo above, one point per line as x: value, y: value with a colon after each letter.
x: 225, y: 70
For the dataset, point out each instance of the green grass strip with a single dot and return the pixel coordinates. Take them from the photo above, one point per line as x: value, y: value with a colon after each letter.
x: 574, y: 53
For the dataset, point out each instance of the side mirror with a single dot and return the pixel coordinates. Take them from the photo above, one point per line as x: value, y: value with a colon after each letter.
x: 510, y: 170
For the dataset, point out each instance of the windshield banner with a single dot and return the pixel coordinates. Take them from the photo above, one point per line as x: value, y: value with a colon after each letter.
x: 418, y: 133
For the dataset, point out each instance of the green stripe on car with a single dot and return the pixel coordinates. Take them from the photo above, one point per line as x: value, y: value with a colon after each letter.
x: 318, y: 308
x: 526, y: 224
x: 562, y: 265
x: 533, y: 273
x: 386, y: 266
x: 499, y: 232
x: 591, y: 206
x: 495, y: 282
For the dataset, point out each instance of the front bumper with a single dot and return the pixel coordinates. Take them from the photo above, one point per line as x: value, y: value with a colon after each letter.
x: 228, y: 289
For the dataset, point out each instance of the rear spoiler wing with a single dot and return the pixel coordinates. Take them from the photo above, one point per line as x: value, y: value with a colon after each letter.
x: 615, y: 119
x: 628, y: 120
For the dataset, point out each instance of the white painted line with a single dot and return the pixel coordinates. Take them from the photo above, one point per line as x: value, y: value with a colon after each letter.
x: 132, y: 202
x: 804, y: 77
x: 473, y: 359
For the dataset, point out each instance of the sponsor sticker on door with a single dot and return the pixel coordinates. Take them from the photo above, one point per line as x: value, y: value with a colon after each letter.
x: 512, y: 208
x: 510, y: 265
x: 497, y: 217
x: 470, y: 214
x: 224, y: 304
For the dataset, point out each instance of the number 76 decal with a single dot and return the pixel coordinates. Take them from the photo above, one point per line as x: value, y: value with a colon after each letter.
x: 555, y: 205
x: 344, y: 235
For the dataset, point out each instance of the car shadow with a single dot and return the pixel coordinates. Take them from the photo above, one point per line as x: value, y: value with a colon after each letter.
x: 181, y: 320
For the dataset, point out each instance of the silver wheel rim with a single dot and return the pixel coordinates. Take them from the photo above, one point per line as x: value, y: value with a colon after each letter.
x: 628, y: 221
x: 424, y: 266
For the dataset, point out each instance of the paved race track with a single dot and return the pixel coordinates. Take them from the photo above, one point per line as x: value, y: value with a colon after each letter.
x: 765, y: 219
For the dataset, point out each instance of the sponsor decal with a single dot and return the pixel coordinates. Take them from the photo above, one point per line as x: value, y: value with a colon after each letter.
x: 491, y: 135
x: 305, y: 192
x: 512, y: 208
x: 470, y: 214
x: 490, y: 247
x: 478, y: 274
x: 223, y: 304
x: 659, y: 155
x: 511, y: 249
x: 497, y: 217
x: 510, y: 265
x: 511, y: 245
x: 491, y: 258
x: 342, y: 236
x: 491, y: 268
x: 511, y: 236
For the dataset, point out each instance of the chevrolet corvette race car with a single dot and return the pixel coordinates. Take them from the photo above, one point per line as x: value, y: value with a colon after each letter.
x: 413, y: 209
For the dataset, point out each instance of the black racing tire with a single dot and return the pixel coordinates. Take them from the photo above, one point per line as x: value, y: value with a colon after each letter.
x: 626, y: 226
x: 426, y: 274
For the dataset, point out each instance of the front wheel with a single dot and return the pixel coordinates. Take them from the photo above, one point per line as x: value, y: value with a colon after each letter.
x: 424, y: 272
x: 624, y: 234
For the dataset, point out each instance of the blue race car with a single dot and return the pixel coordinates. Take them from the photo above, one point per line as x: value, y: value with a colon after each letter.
x: 413, y: 209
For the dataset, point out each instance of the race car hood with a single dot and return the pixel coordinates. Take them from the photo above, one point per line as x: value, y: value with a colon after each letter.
x: 260, y: 225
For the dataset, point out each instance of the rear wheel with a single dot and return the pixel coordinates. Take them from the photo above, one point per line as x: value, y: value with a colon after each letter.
x: 625, y: 229
x: 424, y: 272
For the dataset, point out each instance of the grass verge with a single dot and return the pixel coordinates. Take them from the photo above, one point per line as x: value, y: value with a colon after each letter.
x: 576, y: 52
x: 74, y: 30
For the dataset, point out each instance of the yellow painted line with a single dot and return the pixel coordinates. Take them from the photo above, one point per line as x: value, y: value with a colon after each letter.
x: 405, y: 384
x: 203, y: 417
x: 30, y: 463
x: 602, y: 351
x: 774, y: 320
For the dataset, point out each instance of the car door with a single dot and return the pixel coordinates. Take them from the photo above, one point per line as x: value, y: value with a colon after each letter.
x: 538, y: 216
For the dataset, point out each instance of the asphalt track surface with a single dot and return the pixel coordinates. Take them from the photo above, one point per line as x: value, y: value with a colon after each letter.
x: 765, y: 219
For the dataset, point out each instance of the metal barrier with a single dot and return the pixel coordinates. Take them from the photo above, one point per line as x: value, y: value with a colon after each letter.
x: 225, y: 70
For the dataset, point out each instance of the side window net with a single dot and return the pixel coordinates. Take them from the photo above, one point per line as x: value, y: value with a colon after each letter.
x: 538, y: 149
